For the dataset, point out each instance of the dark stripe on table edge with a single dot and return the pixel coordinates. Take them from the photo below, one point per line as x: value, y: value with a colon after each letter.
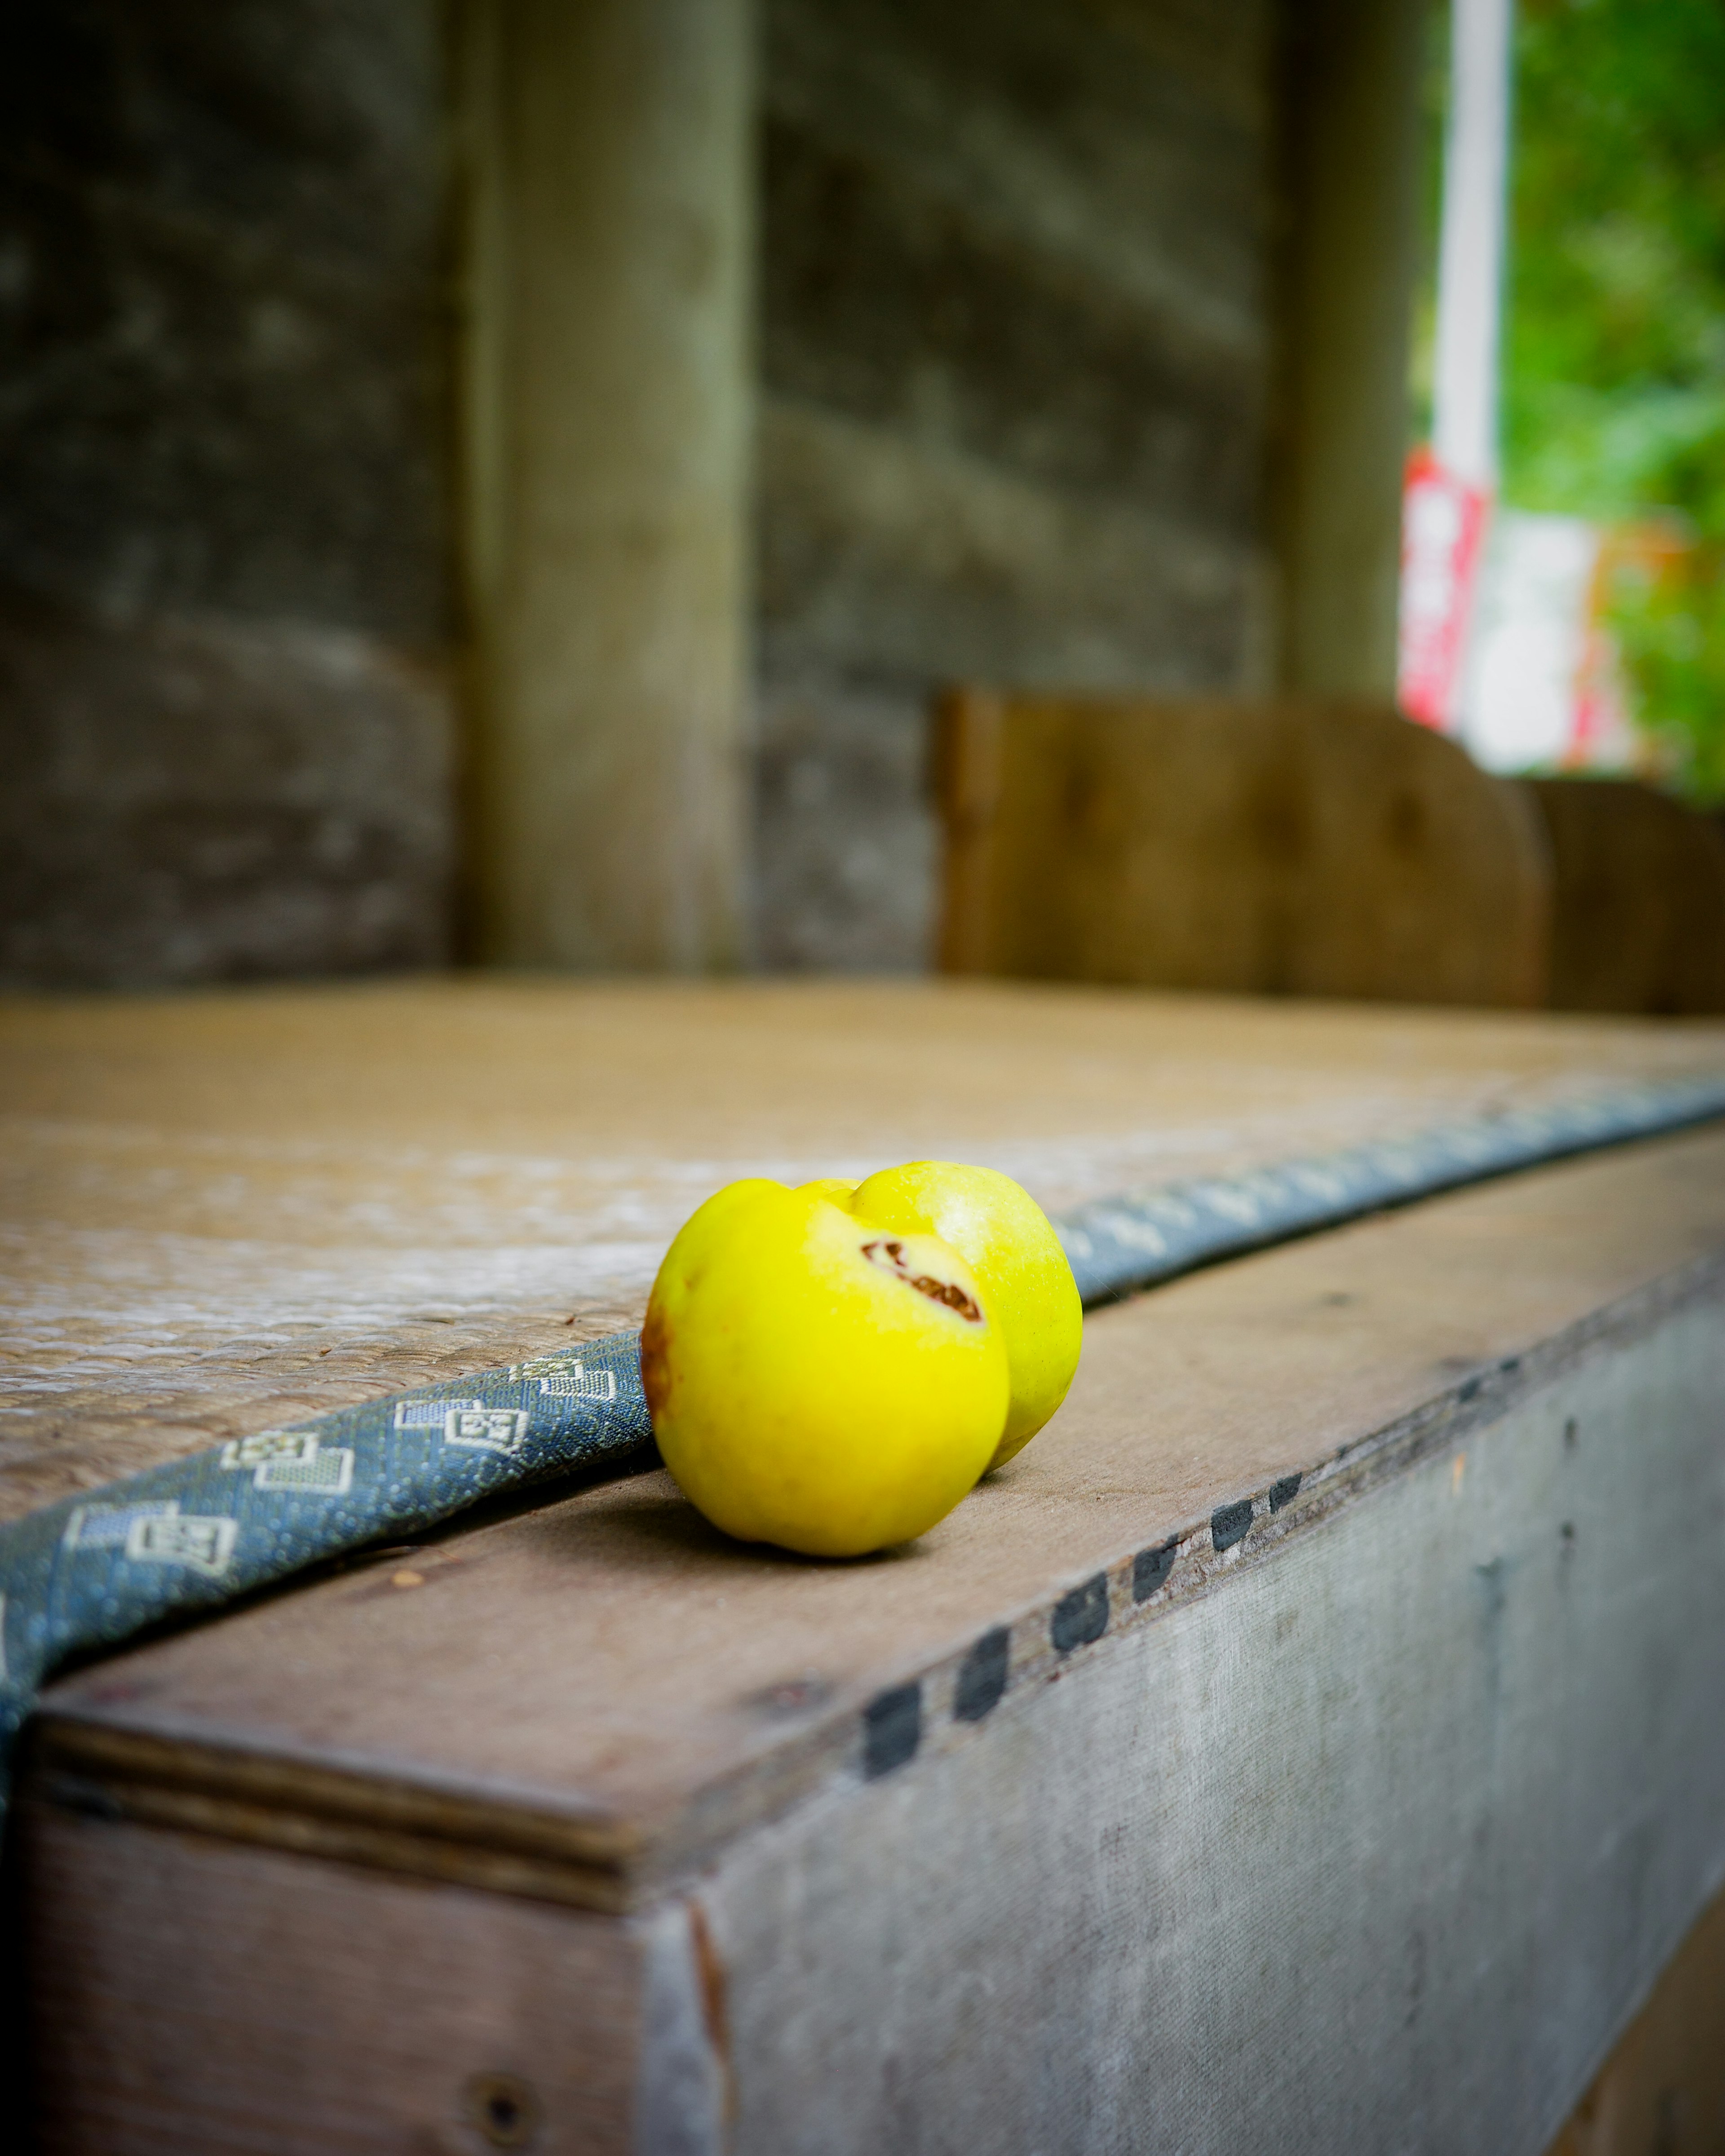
x: 892, y: 1729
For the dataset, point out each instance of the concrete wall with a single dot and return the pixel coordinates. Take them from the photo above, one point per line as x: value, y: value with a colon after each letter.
x: 1041, y: 397
x: 1015, y: 367
x: 223, y: 538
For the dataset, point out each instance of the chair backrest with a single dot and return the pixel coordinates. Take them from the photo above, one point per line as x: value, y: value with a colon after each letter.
x: 1305, y: 848
x: 1639, y: 885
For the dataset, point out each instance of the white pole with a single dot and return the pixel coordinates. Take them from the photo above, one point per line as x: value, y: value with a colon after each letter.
x: 1471, y: 250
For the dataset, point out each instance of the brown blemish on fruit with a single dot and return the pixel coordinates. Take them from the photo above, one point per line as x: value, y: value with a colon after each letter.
x: 889, y: 1254
x: 655, y: 1369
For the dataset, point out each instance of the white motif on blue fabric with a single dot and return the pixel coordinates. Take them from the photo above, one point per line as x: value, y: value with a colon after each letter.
x: 1132, y: 1234
x: 292, y: 1459
x: 325, y: 1473
x: 502, y: 1430
x: 1238, y: 1205
x: 106, y: 1526
x: 554, y: 1365
x: 428, y: 1414
x: 202, y: 1543
x: 267, y: 1444
x: 575, y: 1384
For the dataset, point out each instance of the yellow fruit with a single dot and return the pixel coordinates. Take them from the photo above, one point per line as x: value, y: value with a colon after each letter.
x: 816, y: 1383
x: 830, y: 1186
x: 1004, y: 1237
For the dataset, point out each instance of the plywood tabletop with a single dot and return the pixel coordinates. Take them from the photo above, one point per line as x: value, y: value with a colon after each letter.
x: 579, y: 1699
x: 229, y: 1210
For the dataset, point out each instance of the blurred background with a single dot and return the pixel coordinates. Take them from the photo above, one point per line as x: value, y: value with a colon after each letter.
x: 508, y: 483
x: 1592, y: 631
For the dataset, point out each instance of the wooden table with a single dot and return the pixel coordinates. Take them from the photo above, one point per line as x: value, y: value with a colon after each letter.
x: 1314, y: 1740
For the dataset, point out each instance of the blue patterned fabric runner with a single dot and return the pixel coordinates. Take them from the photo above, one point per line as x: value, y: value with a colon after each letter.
x: 1117, y: 1245
x: 183, y: 1539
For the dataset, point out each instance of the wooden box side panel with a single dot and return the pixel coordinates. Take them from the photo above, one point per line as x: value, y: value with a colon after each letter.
x: 187, y: 1995
x: 1164, y: 830
x: 1662, y: 2091
x: 1142, y: 844
x: 968, y: 734
x: 1429, y: 879
x: 1253, y: 848
x: 1380, y: 1848
x: 1638, y: 891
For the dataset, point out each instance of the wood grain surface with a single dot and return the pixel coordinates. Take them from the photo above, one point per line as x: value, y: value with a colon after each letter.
x: 223, y: 1212
x: 579, y: 1702
x: 252, y: 2001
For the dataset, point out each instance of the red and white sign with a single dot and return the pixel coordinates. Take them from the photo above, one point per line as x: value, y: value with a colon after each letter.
x: 1443, y: 534
x: 1543, y: 688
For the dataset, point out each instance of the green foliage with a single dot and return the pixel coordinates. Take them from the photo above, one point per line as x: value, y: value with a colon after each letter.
x: 1614, y: 379
x: 1671, y: 630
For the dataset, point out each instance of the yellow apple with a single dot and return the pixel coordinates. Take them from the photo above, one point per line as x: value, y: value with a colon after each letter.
x: 1027, y: 1285
x: 815, y: 1381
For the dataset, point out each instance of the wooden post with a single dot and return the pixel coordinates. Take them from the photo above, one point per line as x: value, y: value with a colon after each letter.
x: 1351, y: 131
x: 604, y: 187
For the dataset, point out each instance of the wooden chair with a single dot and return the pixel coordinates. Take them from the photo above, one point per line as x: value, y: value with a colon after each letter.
x: 1286, y: 848
x: 1638, y: 899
